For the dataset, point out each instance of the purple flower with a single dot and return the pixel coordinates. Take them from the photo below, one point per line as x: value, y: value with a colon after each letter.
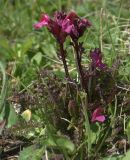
x: 74, y: 25
x: 54, y: 26
x: 63, y: 25
x: 97, y: 115
x: 97, y: 59
x: 44, y: 21
x: 59, y: 17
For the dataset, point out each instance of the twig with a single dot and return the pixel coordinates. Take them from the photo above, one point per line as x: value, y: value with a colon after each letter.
x: 46, y: 155
x: 126, y: 89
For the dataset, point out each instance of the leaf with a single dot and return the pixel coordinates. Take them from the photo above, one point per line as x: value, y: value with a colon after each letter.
x: 3, y: 90
x: 37, y: 58
x: 127, y: 156
x: 60, y: 142
x: 27, y: 44
x: 2, y: 113
x: 10, y: 115
x: 128, y: 131
x: 2, y: 125
x: 65, y: 143
x: 31, y: 153
x: 5, y: 49
x: 26, y: 115
x: 113, y: 158
x: 95, y: 132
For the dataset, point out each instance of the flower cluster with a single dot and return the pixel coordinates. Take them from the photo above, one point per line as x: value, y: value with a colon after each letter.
x: 96, y: 57
x: 63, y: 25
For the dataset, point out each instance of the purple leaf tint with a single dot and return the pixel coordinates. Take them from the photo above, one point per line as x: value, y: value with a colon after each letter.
x: 96, y: 57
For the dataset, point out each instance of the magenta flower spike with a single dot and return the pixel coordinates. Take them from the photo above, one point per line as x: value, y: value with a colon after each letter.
x: 54, y: 26
x: 97, y: 115
x: 97, y: 59
x: 74, y: 25
x: 63, y: 25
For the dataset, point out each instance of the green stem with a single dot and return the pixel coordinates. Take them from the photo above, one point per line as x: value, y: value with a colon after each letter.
x: 87, y: 124
x: 103, y: 140
x: 4, y: 87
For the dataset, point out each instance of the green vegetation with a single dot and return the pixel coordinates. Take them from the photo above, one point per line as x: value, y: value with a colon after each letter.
x: 44, y: 113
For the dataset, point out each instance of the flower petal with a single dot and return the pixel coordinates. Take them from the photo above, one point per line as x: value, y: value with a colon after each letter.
x: 59, y: 17
x: 74, y: 25
x: 67, y: 26
x: 97, y: 115
x: 100, y: 118
x: 43, y: 21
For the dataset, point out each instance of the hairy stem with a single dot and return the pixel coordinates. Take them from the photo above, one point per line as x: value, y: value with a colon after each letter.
x: 78, y: 63
x: 63, y: 56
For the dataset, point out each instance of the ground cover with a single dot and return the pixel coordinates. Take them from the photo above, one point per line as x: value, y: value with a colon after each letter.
x: 64, y: 79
